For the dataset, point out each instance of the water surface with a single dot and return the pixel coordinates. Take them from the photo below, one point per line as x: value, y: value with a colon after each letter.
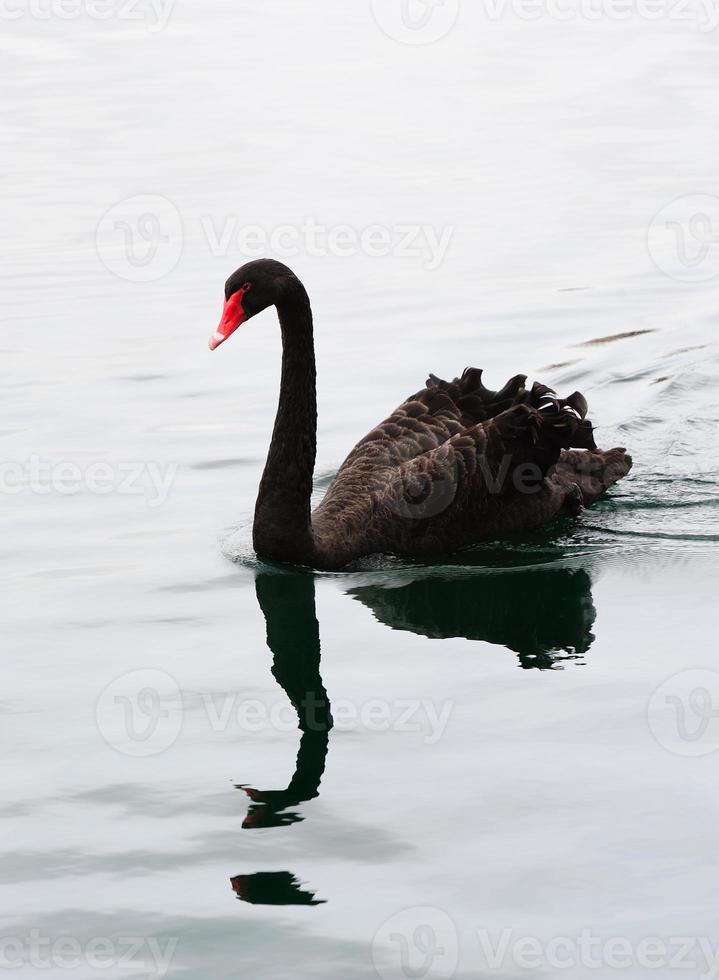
x: 491, y: 757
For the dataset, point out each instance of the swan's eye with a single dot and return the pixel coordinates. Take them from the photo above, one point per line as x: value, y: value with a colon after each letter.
x: 247, y: 287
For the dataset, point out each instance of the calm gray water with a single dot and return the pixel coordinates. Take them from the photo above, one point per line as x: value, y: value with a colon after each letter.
x: 524, y: 741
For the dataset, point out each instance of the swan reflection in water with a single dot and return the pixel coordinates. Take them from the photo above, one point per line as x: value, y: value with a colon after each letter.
x: 544, y: 614
x: 293, y: 636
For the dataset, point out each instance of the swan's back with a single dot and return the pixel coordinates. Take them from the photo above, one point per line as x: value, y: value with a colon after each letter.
x: 441, y: 472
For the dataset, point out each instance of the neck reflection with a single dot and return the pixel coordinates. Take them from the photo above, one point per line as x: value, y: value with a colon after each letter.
x: 293, y: 636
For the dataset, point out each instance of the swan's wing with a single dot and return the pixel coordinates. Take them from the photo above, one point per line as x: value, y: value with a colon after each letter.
x: 509, y: 474
x: 423, y: 422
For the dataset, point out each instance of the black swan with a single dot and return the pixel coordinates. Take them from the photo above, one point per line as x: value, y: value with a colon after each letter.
x: 454, y: 465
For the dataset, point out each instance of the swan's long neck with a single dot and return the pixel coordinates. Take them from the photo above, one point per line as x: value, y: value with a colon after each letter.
x: 282, y: 528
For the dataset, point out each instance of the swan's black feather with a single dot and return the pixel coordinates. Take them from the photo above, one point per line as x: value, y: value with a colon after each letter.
x: 458, y: 463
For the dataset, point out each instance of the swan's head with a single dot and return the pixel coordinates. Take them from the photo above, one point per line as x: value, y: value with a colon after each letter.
x: 249, y: 291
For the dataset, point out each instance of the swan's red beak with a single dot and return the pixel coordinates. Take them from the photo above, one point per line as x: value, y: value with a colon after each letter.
x: 232, y: 316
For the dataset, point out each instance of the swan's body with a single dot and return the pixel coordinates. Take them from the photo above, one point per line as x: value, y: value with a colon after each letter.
x: 454, y: 465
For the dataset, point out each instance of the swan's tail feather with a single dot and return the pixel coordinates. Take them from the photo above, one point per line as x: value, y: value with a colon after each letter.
x: 513, y: 430
x: 541, y: 430
x: 476, y: 402
x: 594, y: 472
x: 578, y: 402
x: 566, y: 446
x: 562, y: 423
x: 565, y: 422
